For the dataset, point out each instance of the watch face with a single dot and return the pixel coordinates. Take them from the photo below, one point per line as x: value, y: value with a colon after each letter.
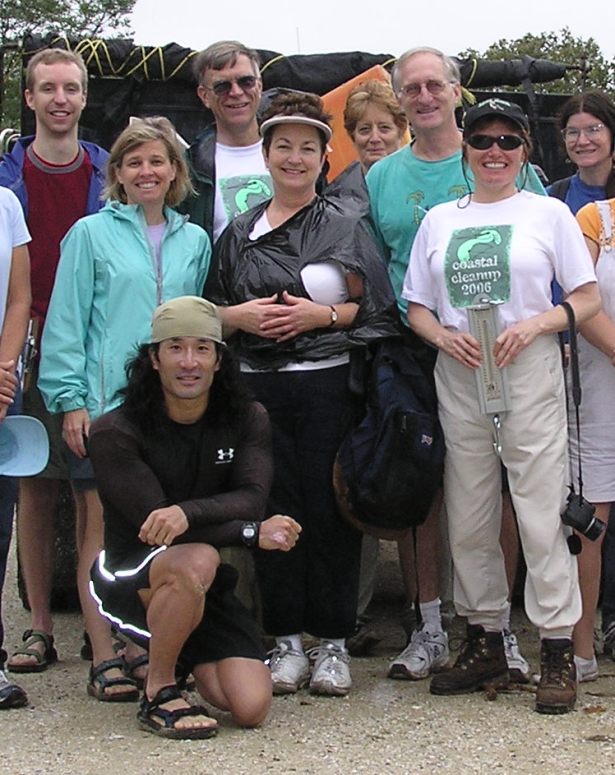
x: 249, y: 531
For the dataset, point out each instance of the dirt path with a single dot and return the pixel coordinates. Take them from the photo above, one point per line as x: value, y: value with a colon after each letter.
x: 383, y: 726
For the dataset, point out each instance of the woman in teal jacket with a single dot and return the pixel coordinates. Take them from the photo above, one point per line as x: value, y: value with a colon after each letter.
x: 115, y: 268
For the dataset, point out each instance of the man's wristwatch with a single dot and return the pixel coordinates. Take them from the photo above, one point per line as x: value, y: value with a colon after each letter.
x: 333, y: 316
x: 249, y: 533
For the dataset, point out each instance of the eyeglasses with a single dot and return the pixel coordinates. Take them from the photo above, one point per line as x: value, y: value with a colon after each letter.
x: 222, y: 88
x: 413, y: 90
x: 572, y: 134
x: 505, y: 142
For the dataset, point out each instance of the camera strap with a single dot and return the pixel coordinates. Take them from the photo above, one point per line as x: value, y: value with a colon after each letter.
x: 573, y: 364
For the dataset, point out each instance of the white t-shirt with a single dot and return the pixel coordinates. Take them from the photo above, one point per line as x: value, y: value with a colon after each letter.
x: 509, y: 251
x: 242, y: 181
x: 13, y: 233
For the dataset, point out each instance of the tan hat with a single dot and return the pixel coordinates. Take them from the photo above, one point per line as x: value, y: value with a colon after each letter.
x: 186, y: 316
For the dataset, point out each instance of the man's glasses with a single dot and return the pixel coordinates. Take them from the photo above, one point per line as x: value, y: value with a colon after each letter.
x: 505, y: 142
x: 413, y: 90
x: 222, y: 88
x: 572, y: 134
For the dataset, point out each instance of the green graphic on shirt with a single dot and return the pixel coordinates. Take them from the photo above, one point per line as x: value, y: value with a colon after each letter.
x: 241, y: 192
x: 477, y: 263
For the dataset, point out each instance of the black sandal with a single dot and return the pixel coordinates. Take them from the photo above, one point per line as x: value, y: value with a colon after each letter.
x: 132, y: 665
x: 43, y: 660
x: 161, y: 722
x: 99, y: 683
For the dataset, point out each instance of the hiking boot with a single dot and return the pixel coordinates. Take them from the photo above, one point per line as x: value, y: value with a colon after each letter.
x: 331, y: 674
x: 11, y: 695
x: 290, y: 669
x: 425, y: 653
x: 518, y: 666
x: 587, y: 669
x: 481, y: 663
x: 557, y: 689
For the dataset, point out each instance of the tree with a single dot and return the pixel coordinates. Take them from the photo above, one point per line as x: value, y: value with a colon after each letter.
x: 589, y: 68
x: 78, y: 18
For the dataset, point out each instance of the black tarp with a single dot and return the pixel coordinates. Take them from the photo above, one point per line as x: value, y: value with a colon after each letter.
x: 126, y: 80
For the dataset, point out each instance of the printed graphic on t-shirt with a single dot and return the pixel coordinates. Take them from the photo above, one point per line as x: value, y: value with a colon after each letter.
x: 420, y: 209
x: 477, y: 263
x: 241, y: 192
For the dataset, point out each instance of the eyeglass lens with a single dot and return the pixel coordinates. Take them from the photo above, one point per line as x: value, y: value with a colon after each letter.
x: 572, y: 134
x: 245, y: 83
x: 414, y: 89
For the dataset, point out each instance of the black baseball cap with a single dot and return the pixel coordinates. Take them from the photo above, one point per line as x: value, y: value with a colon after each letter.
x: 495, y: 108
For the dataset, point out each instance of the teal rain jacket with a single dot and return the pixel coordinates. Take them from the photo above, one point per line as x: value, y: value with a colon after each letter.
x: 107, y: 286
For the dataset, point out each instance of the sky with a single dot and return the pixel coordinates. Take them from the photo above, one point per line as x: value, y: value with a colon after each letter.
x: 326, y: 26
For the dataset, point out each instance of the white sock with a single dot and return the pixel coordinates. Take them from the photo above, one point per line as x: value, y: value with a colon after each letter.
x: 583, y: 663
x: 339, y: 642
x: 430, y: 614
x: 506, y: 618
x: 295, y: 641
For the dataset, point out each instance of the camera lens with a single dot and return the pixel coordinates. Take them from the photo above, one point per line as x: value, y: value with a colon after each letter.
x: 594, y: 529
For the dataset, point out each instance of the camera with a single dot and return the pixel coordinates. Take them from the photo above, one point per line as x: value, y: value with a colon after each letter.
x: 579, y: 514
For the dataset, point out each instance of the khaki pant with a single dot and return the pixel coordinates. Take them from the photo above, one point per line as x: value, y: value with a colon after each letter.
x: 534, y: 451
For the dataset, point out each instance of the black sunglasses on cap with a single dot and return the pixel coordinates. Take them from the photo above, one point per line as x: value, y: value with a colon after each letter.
x: 222, y: 88
x: 505, y: 142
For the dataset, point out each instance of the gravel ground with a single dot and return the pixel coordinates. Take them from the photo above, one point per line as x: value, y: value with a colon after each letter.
x: 382, y: 726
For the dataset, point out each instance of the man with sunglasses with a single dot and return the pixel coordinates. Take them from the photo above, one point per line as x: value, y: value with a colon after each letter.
x: 226, y: 161
x: 402, y: 188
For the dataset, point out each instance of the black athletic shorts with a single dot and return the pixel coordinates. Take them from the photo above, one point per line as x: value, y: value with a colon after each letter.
x: 227, y: 628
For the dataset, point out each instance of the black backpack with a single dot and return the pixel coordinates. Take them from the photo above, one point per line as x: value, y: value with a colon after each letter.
x: 392, y: 461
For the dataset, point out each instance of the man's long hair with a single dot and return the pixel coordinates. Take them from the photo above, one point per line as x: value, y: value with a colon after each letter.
x: 143, y: 400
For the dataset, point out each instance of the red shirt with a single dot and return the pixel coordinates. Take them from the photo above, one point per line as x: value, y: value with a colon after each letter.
x: 57, y: 197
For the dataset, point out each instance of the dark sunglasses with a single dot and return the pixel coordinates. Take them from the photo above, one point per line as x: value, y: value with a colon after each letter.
x: 505, y: 142
x: 222, y: 88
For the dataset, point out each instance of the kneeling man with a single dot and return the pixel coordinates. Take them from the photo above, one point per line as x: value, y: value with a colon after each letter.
x: 183, y: 466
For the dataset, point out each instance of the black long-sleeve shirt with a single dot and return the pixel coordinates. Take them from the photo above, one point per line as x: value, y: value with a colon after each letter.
x: 219, y: 476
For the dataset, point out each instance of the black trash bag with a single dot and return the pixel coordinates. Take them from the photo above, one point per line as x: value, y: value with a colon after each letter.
x: 245, y: 269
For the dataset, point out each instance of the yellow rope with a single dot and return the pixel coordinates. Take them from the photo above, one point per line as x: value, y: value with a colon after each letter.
x: 272, y: 61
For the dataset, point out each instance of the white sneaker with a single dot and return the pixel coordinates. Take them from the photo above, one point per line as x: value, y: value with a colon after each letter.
x: 518, y: 666
x: 290, y: 669
x: 11, y: 695
x: 331, y: 674
x: 587, y: 669
x: 425, y: 653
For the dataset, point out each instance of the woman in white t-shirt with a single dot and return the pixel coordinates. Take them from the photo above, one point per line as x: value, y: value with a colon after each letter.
x: 505, y: 246
x: 301, y: 284
x: 15, y: 301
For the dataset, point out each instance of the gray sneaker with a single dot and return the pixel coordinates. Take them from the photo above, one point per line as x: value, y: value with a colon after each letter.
x: 518, y: 666
x: 608, y: 639
x: 290, y: 669
x: 331, y: 674
x: 426, y: 652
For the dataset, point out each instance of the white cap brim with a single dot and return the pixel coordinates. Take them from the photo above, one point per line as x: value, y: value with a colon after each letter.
x: 275, y: 120
x: 24, y: 446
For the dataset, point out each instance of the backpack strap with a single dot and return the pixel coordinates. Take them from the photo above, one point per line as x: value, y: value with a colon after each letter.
x: 559, y: 188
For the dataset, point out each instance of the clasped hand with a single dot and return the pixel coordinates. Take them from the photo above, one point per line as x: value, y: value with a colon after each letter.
x: 270, y: 319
